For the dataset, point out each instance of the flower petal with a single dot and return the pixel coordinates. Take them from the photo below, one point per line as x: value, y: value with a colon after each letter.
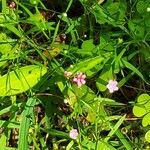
x: 82, y: 81
x: 75, y: 79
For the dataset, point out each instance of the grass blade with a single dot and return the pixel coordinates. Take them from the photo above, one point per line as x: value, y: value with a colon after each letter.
x: 25, y: 124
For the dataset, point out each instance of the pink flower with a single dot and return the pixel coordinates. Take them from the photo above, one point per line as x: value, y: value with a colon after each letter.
x: 67, y: 74
x: 112, y: 86
x: 79, y: 79
x: 73, y: 134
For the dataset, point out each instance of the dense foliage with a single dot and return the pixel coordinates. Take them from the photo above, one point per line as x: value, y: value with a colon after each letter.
x: 75, y: 74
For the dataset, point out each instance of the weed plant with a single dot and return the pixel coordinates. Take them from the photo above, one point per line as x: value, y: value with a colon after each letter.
x: 74, y: 75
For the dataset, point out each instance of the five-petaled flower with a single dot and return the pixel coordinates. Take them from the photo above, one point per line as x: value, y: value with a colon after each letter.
x: 112, y: 86
x: 73, y: 134
x: 79, y: 79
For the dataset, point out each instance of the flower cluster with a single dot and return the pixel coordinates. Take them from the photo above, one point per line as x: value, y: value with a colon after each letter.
x: 79, y: 79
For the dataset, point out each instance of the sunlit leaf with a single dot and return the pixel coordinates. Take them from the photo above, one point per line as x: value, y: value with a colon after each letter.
x: 20, y: 80
x: 147, y: 136
x: 25, y: 124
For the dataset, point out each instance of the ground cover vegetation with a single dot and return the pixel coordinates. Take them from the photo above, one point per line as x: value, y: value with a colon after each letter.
x: 75, y: 75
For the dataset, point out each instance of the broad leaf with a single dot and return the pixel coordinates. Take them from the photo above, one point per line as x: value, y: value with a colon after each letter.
x: 147, y: 136
x: 86, y: 65
x: 142, y: 106
x: 20, y: 80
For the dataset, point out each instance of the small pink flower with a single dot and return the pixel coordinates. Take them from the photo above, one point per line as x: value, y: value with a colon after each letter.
x: 112, y: 86
x: 73, y: 134
x: 67, y: 74
x: 79, y: 79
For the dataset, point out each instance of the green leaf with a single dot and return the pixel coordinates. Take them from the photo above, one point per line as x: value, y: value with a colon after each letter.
x: 88, y: 45
x: 125, y: 79
x: 147, y: 136
x: 56, y: 32
x: 84, y: 93
x: 113, y: 13
x: 26, y: 9
x: 139, y: 111
x: 143, y: 98
x: 132, y: 68
x: 142, y: 106
x: 8, y: 49
x: 25, y: 124
x: 9, y: 124
x: 142, y: 5
x: 146, y: 120
x: 103, y: 79
x: 104, y: 146
x: 115, y: 128
x: 57, y: 133
x: 108, y: 101
x: 20, y: 80
x: 10, y: 108
x: 69, y: 146
x: 86, y: 65
x: 13, y: 29
x: 4, y: 6
x: 3, y: 141
x: 5, y: 45
x: 71, y: 97
x: 145, y: 52
x: 123, y: 139
x: 137, y: 28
